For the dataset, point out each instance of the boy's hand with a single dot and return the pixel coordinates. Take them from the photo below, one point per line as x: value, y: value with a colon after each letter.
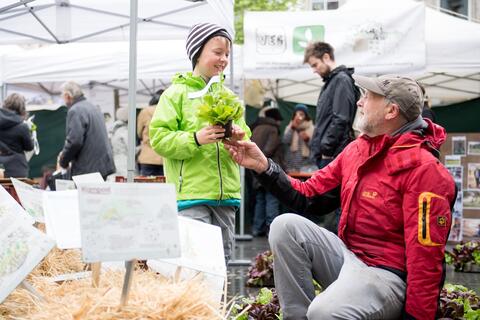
x: 210, y: 134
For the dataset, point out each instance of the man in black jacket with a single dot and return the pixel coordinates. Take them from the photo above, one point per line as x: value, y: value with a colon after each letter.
x: 336, y: 106
x: 87, y: 147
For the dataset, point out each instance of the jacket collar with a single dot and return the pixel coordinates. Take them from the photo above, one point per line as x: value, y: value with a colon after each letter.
x: 337, y: 70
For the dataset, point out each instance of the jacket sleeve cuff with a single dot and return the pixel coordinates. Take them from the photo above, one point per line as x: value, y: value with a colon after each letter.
x: 196, y: 140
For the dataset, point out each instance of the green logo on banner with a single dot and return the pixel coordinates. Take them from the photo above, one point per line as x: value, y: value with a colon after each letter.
x: 305, y: 34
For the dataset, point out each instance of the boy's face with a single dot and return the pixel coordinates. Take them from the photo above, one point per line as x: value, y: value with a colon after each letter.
x: 214, y: 57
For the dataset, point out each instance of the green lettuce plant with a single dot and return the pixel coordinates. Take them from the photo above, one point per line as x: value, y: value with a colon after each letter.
x: 219, y: 106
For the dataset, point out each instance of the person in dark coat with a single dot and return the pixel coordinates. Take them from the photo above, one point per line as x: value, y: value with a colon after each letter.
x: 87, y: 148
x: 336, y: 106
x: 427, y: 112
x: 266, y: 135
x: 15, y: 137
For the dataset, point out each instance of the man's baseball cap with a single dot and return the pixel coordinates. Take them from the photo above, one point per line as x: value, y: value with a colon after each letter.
x: 403, y: 91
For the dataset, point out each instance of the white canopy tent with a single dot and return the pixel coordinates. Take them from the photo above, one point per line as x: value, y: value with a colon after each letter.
x: 100, y: 64
x: 451, y: 68
x: 65, y: 21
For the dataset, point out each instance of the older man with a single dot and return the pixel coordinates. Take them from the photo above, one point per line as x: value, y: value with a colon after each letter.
x: 396, y: 199
x: 87, y: 147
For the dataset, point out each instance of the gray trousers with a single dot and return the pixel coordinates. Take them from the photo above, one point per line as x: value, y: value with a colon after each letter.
x: 352, y: 290
x: 223, y: 217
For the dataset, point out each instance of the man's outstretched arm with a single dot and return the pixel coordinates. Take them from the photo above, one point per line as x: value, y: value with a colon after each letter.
x: 277, y: 182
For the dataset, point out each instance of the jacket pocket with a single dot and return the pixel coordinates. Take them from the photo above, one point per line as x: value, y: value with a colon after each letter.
x: 433, y: 219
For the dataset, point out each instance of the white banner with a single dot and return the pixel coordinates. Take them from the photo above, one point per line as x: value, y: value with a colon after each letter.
x: 373, y: 36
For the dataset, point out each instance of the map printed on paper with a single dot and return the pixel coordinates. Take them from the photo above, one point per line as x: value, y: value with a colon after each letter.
x: 125, y: 221
x: 8, y: 204
x: 22, y: 247
x: 30, y: 198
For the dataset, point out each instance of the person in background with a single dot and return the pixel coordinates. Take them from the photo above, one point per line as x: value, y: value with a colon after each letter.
x: 427, y: 111
x: 207, y: 180
x: 15, y: 137
x: 266, y: 135
x: 87, y: 148
x: 296, y: 138
x: 119, y: 141
x: 336, y: 106
x: 149, y: 162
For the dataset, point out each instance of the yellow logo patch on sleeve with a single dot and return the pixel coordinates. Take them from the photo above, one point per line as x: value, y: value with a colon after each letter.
x: 442, y: 221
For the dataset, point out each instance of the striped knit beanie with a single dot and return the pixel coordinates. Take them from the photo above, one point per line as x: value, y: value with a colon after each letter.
x: 199, y: 35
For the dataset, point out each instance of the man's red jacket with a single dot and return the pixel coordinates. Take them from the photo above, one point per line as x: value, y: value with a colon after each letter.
x: 395, y: 199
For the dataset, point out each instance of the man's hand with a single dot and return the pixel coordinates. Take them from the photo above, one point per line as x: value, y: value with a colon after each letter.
x: 237, y: 133
x: 210, y: 134
x: 247, y: 154
x: 59, y: 166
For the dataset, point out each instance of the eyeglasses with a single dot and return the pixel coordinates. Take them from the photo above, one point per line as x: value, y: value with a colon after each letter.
x: 363, y: 92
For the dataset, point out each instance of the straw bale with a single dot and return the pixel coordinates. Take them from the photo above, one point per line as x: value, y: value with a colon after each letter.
x: 151, y: 297
x: 59, y: 262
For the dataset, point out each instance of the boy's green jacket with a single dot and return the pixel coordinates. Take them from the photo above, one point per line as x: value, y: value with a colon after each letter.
x: 205, y: 172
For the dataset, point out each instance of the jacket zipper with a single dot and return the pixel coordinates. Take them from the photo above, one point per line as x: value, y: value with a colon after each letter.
x: 180, y: 178
x: 219, y: 171
x: 424, y: 219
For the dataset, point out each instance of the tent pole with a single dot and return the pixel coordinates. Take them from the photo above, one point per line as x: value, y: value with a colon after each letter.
x: 132, y: 108
x: 3, y: 92
x: 132, y: 90
x: 241, y: 235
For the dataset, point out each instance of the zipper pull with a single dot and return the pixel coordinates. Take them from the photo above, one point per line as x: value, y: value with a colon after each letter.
x: 180, y: 181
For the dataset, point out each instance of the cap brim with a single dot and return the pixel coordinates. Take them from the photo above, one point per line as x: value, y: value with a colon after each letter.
x: 367, y: 83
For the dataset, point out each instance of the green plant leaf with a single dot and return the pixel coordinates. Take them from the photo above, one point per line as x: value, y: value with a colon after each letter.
x: 264, y: 296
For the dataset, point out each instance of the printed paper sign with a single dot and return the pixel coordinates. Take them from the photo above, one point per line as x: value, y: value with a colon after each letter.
x: 22, y: 247
x: 30, y: 198
x: 471, y: 228
x: 61, y: 218
x: 459, y: 145
x: 474, y: 148
x: 125, y: 221
x: 473, y: 176
x: 9, y: 204
x: 62, y: 185
x: 89, y: 177
x: 452, y: 160
x: 202, y: 250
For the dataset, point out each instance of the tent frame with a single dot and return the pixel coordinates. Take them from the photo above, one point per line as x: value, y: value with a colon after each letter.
x: 66, y: 3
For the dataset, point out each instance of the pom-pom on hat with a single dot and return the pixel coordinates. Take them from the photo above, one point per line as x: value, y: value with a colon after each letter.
x: 199, y: 35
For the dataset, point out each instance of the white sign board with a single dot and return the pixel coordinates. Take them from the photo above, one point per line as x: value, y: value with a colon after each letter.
x: 374, y: 37
x: 125, y: 221
x: 88, y: 177
x: 30, y: 198
x: 202, y: 250
x: 8, y: 204
x: 22, y: 247
x: 61, y: 218
x: 62, y: 185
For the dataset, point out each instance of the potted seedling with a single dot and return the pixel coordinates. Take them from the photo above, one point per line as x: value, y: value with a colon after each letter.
x: 220, y: 107
x: 465, y: 257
